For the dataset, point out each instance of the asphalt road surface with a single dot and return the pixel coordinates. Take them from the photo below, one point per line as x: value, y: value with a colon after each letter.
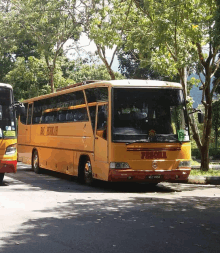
x: 51, y: 213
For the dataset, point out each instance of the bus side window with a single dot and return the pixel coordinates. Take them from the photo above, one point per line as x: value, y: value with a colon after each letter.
x: 62, y: 117
x: 92, y: 111
x: 102, y: 122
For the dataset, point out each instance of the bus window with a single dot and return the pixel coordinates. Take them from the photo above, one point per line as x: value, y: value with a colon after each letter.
x: 29, y: 119
x: 102, y: 121
x: 97, y: 94
x: 61, y: 102
x: 139, y: 113
x: 92, y: 111
x: 80, y: 114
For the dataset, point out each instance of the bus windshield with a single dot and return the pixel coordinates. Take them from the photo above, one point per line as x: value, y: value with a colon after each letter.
x: 7, y: 115
x: 149, y: 115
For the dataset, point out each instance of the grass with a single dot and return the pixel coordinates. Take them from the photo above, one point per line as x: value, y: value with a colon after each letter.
x: 193, y: 162
x: 210, y: 173
x: 198, y: 172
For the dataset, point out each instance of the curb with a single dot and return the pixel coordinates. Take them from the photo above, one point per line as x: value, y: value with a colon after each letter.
x: 203, y: 180
x: 213, y: 167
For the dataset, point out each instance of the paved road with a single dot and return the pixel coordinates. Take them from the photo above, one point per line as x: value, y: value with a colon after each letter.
x: 52, y: 213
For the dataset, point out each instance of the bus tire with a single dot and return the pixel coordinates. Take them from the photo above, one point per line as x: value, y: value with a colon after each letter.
x: 87, y: 172
x: 1, y: 177
x: 35, y: 162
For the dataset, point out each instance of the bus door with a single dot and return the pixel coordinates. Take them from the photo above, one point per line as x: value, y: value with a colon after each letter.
x: 101, y: 147
x: 29, y: 122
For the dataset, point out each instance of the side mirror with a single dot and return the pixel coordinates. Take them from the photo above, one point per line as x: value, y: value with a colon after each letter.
x: 20, y: 108
x: 201, y: 117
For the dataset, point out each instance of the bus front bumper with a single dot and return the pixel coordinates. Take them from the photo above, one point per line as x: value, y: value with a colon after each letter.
x: 149, y: 176
x: 8, y: 166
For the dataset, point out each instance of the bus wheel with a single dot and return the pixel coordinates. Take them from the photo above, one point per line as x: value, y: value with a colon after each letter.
x: 35, y: 163
x: 88, y: 179
x: 1, y: 177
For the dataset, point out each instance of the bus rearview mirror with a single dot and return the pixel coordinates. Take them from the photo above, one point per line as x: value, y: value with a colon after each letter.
x: 20, y: 108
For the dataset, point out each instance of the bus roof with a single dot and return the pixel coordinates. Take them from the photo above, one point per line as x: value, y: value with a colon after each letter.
x: 124, y: 83
x: 142, y: 83
x: 6, y: 85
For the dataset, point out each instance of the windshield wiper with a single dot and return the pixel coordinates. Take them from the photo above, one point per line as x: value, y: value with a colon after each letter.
x: 169, y: 137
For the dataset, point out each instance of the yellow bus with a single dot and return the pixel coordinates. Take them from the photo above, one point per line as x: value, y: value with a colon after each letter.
x: 117, y: 131
x: 8, y: 133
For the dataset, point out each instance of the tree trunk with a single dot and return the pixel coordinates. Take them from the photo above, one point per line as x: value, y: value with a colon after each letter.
x: 50, y: 72
x: 101, y: 52
x: 51, y: 81
x: 205, y: 157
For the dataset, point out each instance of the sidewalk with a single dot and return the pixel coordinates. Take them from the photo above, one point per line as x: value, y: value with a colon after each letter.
x: 204, y: 179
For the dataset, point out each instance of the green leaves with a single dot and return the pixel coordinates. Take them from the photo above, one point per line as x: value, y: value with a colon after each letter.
x: 30, y: 77
x: 172, y: 28
x: 49, y: 23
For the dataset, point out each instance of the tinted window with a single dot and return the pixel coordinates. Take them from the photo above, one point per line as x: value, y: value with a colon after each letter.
x: 62, y: 102
x: 29, y: 114
x: 74, y: 115
x: 92, y: 111
x: 5, y: 96
x: 102, y: 121
x: 97, y: 94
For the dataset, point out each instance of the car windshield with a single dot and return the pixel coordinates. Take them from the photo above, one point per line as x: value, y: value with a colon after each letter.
x: 7, y: 115
x: 149, y: 115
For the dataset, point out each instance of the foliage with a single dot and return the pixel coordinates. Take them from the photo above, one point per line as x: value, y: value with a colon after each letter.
x: 49, y: 23
x: 30, y: 77
x: 214, y: 152
x: 216, y: 120
x: 92, y: 72
x: 216, y: 77
x: 86, y: 68
x: 105, y: 26
x: 217, y: 23
x: 129, y: 65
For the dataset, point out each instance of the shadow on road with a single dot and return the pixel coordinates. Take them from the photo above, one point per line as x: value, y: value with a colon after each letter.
x: 58, y: 182
x: 95, y: 225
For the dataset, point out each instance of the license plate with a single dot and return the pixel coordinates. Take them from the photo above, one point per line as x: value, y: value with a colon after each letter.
x: 155, y: 177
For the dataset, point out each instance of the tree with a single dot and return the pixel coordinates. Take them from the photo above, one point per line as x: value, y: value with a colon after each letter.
x: 86, y: 68
x: 130, y: 66
x: 92, y: 72
x: 105, y: 25
x: 179, y: 35
x: 6, y: 58
x: 29, y: 77
x: 49, y: 23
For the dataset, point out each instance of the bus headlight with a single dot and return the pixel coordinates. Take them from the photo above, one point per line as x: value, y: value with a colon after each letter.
x: 185, y: 164
x: 119, y: 165
x: 10, y: 150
